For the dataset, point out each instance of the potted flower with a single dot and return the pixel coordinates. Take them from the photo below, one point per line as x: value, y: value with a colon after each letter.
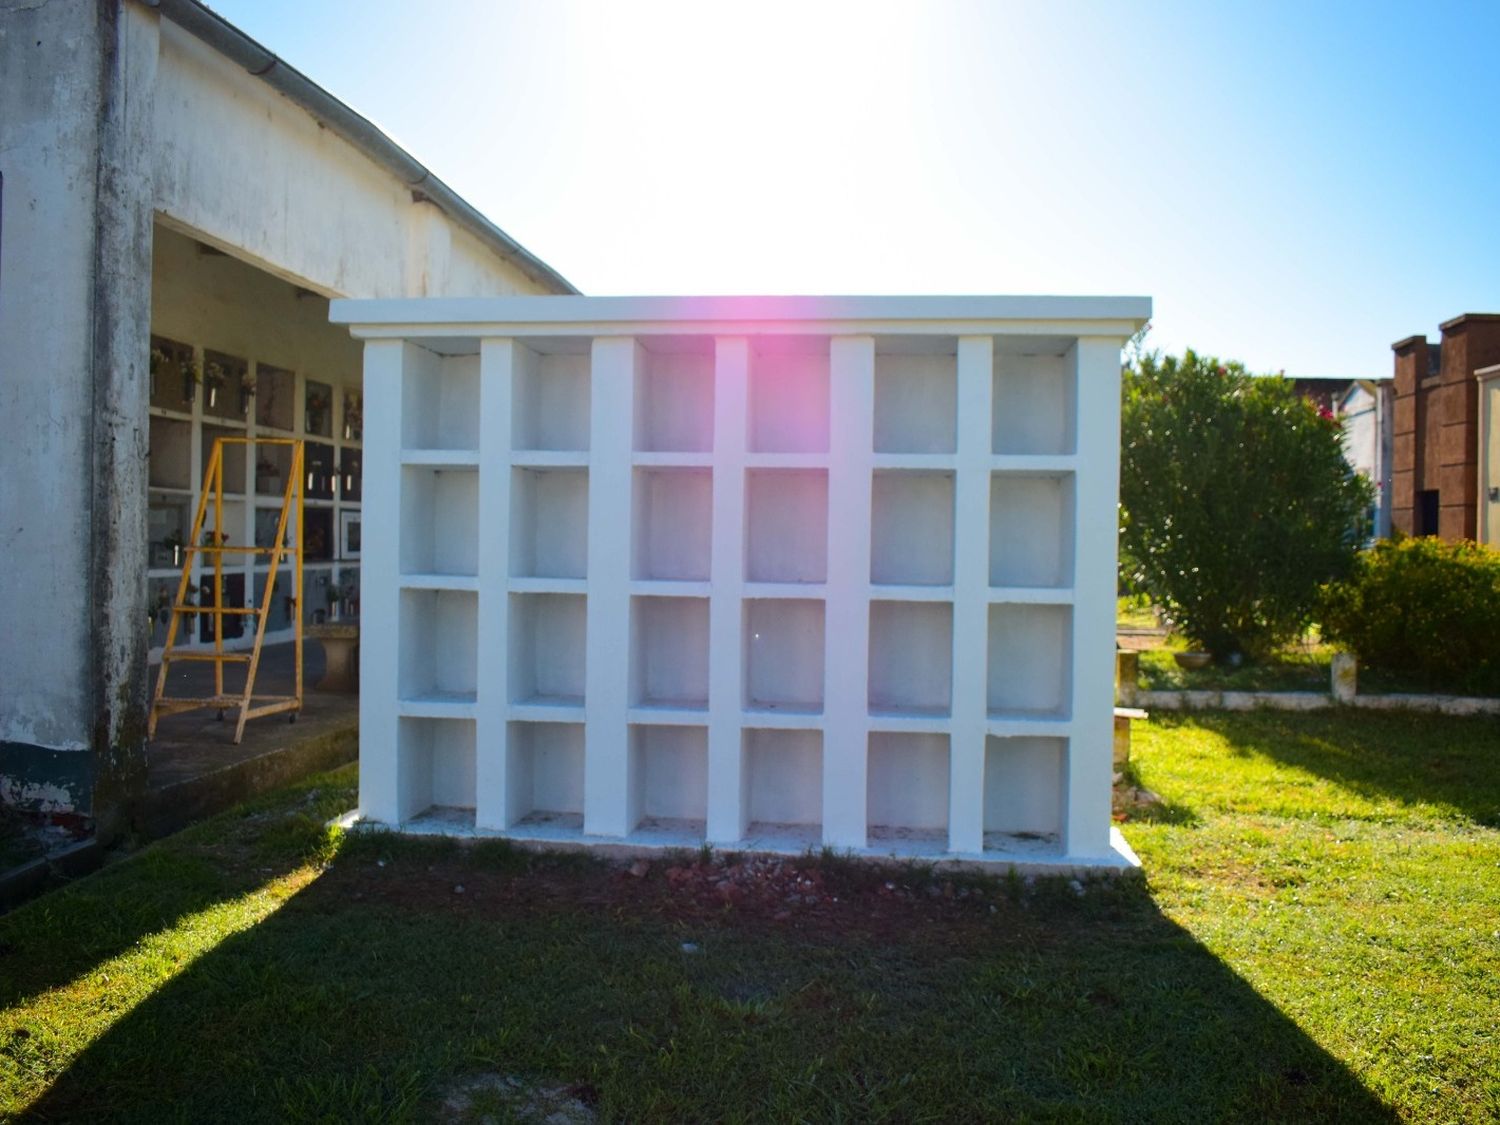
x: 267, y: 476
x: 317, y: 406
x: 336, y: 595
x: 214, y: 378
x: 354, y: 417
x: 159, y: 361
x: 174, y: 544
x: 192, y: 375
x: 247, y: 392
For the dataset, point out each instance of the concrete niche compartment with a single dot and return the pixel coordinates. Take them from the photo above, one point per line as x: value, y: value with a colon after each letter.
x: 436, y: 759
x: 544, y: 777
x: 549, y: 523
x: 1023, y: 794
x: 1031, y: 530
x: 784, y: 646
x: 673, y: 526
x: 787, y: 522
x: 767, y: 573
x: 668, y: 784
x: 782, y: 787
x: 907, y: 797
x: 669, y: 653
x: 911, y: 529
x: 916, y: 400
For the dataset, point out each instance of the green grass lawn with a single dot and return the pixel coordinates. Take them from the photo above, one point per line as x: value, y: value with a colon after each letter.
x: 1317, y: 938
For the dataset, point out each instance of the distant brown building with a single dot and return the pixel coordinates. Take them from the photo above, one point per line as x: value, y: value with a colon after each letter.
x: 1435, y: 450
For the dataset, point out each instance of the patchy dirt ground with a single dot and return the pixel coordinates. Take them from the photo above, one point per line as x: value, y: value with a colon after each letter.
x: 809, y: 896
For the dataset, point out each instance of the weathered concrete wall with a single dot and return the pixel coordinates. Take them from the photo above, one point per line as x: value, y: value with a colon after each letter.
x: 75, y: 216
x: 241, y: 165
x: 111, y: 116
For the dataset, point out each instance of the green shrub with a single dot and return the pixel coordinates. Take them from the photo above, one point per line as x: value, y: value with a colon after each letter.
x: 1424, y: 609
x: 1236, y: 503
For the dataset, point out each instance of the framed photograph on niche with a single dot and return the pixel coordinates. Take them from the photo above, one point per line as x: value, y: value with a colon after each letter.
x: 349, y: 536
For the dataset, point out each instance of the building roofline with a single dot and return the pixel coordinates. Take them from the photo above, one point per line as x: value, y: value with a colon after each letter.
x: 1481, y: 318
x: 218, y: 33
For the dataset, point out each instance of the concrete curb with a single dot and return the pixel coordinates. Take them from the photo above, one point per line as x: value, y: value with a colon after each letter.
x: 32, y: 877
x: 163, y: 811
x: 1312, y: 701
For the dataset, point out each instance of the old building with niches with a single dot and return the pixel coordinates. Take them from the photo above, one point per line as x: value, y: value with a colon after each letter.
x: 1436, y: 463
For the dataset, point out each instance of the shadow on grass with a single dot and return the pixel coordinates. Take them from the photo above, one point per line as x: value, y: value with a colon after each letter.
x: 1413, y: 758
x: 381, y: 986
x: 68, y: 932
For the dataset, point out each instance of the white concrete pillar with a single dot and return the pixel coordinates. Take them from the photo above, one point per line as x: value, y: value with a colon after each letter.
x: 498, y: 360
x: 971, y: 579
x: 606, y: 772
x: 726, y: 675
x: 379, y: 767
x: 846, y: 705
x: 1096, y: 369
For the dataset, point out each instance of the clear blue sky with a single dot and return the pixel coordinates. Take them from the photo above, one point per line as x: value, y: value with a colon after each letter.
x: 1297, y: 185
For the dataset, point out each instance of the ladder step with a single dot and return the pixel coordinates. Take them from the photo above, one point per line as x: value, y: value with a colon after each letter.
x: 238, y: 550
x: 215, y: 657
x: 210, y: 609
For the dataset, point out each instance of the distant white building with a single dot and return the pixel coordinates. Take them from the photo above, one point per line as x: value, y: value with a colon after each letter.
x: 1365, y: 411
x: 174, y: 198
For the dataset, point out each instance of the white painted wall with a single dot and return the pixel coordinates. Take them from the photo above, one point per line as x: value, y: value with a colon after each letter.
x: 842, y: 578
x: 239, y: 164
x: 1489, y: 455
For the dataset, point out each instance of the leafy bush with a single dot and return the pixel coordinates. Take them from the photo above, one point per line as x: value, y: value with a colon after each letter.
x: 1236, y: 501
x: 1425, y: 609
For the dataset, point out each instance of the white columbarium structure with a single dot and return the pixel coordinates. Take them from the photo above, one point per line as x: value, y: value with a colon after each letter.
x: 763, y: 573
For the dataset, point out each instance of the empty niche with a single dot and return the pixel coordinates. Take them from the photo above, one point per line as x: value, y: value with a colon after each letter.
x: 1031, y: 530
x: 907, y: 788
x: 669, y: 781
x: 547, y: 634
x: 673, y: 524
x: 550, y: 402
x: 786, y: 518
x: 439, y: 521
x: 1023, y: 792
x: 544, y: 775
x: 549, y: 520
x: 669, y: 652
x: 440, y: 402
x: 789, y: 403
x: 435, y: 763
x: 911, y: 657
x: 782, y: 784
x: 170, y: 463
x: 1034, y: 404
x: 1030, y: 665
x: 916, y: 403
x: 438, y: 645
x: 911, y: 529
x: 674, y: 401
x: 784, y: 655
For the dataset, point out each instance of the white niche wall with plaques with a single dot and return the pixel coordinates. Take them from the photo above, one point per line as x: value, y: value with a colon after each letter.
x: 761, y: 573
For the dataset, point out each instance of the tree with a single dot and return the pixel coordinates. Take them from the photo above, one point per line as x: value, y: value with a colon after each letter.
x: 1236, y: 502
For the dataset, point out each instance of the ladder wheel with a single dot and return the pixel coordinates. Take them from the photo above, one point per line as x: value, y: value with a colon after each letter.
x: 292, y: 717
x: 221, y: 715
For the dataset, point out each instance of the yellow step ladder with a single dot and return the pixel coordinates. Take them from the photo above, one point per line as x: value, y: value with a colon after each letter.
x: 249, y: 706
